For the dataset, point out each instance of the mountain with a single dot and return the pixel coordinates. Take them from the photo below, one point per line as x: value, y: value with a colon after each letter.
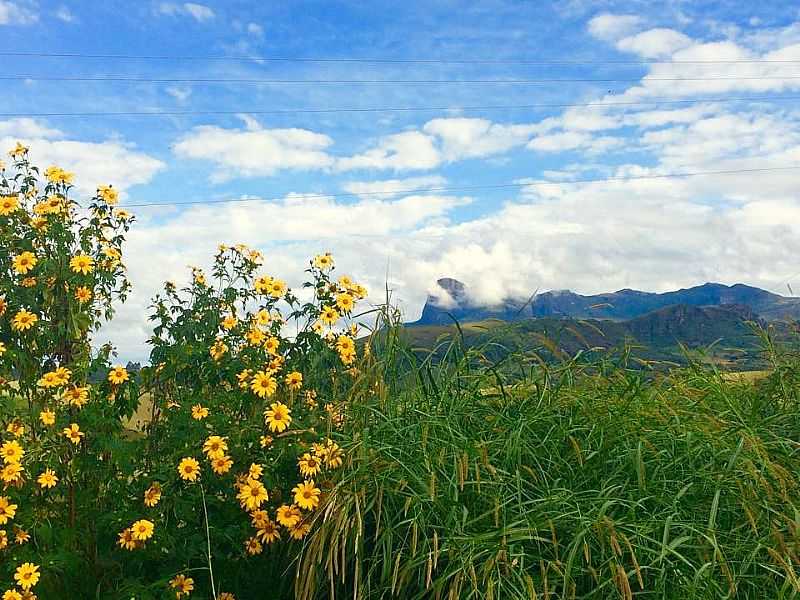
x: 621, y: 305
x: 655, y: 336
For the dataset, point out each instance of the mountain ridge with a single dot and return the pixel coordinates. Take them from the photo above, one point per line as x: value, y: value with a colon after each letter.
x: 621, y: 305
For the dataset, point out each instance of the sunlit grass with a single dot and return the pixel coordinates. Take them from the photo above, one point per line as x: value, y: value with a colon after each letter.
x: 468, y: 479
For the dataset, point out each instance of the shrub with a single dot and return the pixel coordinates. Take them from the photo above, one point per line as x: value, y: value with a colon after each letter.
x: 60, y: 273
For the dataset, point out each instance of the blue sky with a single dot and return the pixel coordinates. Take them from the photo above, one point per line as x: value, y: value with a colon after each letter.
x: 653, y: 234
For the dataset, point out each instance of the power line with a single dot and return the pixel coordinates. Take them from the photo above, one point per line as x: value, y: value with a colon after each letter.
x: 455, y: 61
x: 210, y: 80
x: 397, y: 192
x: 173, y: 113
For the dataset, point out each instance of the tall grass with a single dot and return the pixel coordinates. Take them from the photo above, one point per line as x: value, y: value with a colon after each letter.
x: 468, y: 479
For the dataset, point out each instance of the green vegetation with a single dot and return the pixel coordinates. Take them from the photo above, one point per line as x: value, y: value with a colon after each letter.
x: 574, y: 481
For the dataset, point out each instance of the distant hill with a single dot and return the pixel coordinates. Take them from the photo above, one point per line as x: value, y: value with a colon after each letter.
x: 621, y: 305
x: 654, y: 336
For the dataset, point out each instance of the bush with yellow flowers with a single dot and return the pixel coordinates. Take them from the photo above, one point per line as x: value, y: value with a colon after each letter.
x: 245, y: 396
x: 61, y: 412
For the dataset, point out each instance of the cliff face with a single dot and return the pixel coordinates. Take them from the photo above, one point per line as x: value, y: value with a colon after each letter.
x: 621, y: 305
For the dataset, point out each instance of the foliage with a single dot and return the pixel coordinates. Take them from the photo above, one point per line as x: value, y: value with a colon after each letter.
x: 574, y: 481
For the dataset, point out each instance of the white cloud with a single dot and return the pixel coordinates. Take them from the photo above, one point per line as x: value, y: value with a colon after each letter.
x: 94, y: 163
x: 609, y: 27
x: 199, y: 12
x: 389, y: 188
x: 655, y: 43
x: 399, y: 152
x: 64, y: 14
x: 255, y: 29
x: 253, y: 151
x: 17, y: 13
x: 462, y: 138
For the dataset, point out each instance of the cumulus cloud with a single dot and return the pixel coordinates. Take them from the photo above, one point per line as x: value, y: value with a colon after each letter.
x: 17, y: 13
x: 399, y: 152
x: 121, y: 165
x: 610, y: 27
x: 655, y: 43
x: 254, y: 151
x: 290, y: 231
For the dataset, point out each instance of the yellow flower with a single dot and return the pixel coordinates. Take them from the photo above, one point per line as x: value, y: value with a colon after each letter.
x: 215, y: 446
x: 278, y: 417
x: 142, y: 530
x: 347, y: 357
x: 27, y: 575
x: 83, y: 294
x: 333, y: 455
x: 271, y: 345
x: 345, y: 344
x: 265, y: 441
x: 8, y: 204
x: 268, y: 532
x: 263, y: 384
x: 81, y: 263
x: 2, y: 348
x: 23, y: 320
x: 262, y: 284
x: 12, y: 595
x: 255, y: 471
x: 3, y: 539
x: 3, y: 305
x: 58, y: 175
x: 258, y: 518
x: 218, y: 349
x: 329, y: 315
x: 78, y: 396
x: 221, y: 464
x: 11, y: 473
x: 263, y: 317
x: 182, y: 585
x: 62, y: 375
x: 126, y: 540
x: 306, y: 495
x: 345, y: 302
x: 323, y: 261
x: 253, y: 546
x: 299, y: 531
x: 288, y: 516
x: 294, y: 380
x: 117, y: 375
x: 152, y: 495
x: 7, y: 510
x: 47, y: 417
x: 11, y: 452
x: 21, y: 536
x: 189, y: 469
x: 108, y: 194
x: 73, y: 433
x: 199, y: 412
x: 309, y: 465
x: 24, y: 262
x: 252, y: 494
x: 276, y: 288
x: 16, y: 428
x: 47, y: 479
x: 226, y: 596
x: 254, y: 336
x: 229, y: 322
x: 18, y: 151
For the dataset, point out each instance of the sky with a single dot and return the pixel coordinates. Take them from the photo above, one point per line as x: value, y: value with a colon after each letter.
x: 530, y: 146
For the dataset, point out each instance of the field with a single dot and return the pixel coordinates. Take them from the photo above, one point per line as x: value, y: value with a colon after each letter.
x: 365, y: 462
